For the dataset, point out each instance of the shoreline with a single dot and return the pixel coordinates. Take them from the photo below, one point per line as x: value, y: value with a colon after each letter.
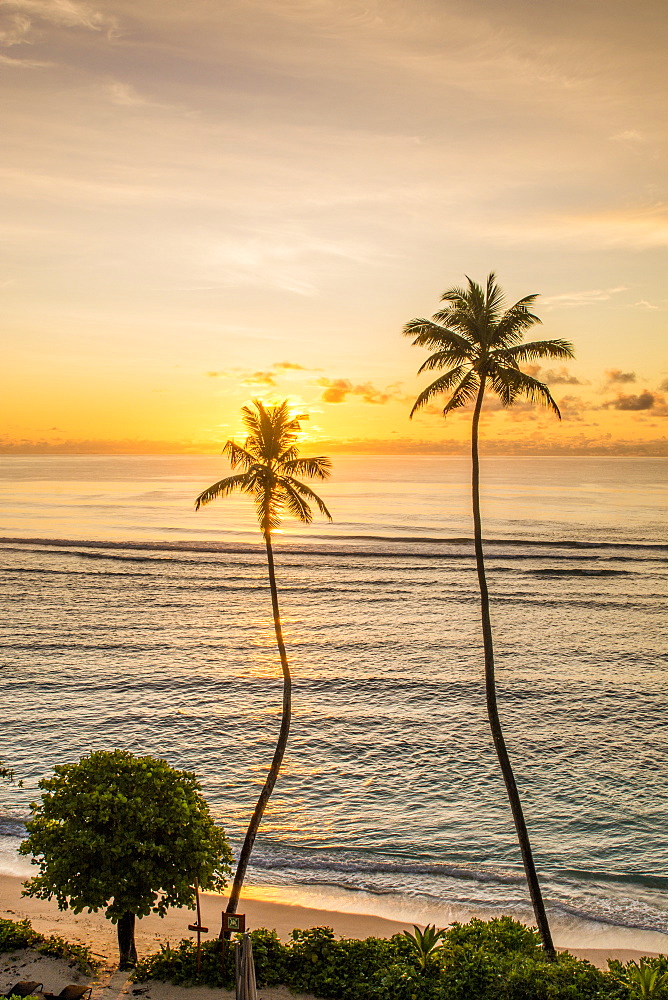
x: 262, y: 909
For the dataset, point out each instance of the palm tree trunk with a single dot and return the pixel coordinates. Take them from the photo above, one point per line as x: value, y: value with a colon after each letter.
x: 281, y: 744
x: 490, y: 690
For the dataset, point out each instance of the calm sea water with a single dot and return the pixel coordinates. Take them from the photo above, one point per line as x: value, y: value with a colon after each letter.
x: 132, y: 621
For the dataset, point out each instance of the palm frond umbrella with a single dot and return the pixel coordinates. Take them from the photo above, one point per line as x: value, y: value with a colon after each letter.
x: 246, y: 987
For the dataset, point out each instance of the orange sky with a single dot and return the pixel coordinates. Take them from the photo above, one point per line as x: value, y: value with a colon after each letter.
x: 206, y: 203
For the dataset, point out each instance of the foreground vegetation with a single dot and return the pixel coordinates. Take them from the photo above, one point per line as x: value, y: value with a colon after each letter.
x: 130, y: 835
x: 499, y: 959
x: 15, y: 935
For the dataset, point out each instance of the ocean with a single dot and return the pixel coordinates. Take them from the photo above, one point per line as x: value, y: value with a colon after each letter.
x: 132, y: 621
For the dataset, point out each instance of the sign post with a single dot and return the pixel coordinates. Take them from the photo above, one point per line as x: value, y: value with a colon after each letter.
x: 233, y: 923
x: 198, y: 927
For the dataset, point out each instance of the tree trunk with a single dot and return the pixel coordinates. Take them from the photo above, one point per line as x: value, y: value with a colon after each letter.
x: 127, y: 953
x: 281, y: 744
x: 490, y: 690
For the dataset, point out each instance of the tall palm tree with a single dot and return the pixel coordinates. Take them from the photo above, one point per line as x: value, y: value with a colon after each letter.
x: 270, y: 462
x: 479, y: 345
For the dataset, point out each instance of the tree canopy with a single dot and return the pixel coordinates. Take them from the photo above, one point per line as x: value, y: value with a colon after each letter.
x: 124, y: 833
x: 479, y: 344
x: 270, y: 461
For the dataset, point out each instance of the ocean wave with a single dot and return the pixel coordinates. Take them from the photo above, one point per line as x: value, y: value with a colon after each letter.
x: 333, y: 545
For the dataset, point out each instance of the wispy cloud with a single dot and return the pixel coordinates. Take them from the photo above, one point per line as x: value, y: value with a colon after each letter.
x: 15, y: 31
x: 584, y: 298
x: 66, y: 13
x: 25, y: 63
x: 290, y: 366
x: 629, y: 135
x: 263, y: 379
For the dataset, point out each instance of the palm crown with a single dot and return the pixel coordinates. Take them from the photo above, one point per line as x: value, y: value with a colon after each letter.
x: 478, y: 343
x: 270, y: 461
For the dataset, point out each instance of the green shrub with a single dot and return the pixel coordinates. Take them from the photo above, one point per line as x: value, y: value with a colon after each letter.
x: 482, y: 960
x: 344, y: 969
x: 647, y: 979
x: 178, y: 964
x: 498, y: 936
x: 18, y: 934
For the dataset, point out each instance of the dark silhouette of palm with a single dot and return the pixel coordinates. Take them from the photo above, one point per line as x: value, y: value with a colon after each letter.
x: 479, y: 345
x: 270, y: 462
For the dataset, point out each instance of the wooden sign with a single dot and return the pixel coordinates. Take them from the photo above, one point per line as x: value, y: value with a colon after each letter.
x: 234, y: 923
x: 198, y: 928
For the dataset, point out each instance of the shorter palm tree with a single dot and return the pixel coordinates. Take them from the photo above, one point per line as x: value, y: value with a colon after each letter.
x: 270, y: 462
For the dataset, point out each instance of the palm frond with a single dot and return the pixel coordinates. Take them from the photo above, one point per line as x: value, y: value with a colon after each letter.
x: 306, y: 491
x: 238, y: 455
x: 444, y: 358
x: 439, y: 386
x: 465, y: 392
x: 510, y: 383
x: 556, y: 350
x: 464, y: 322
x: 291, y: 500
x: 430, y: 334
x: 315, y: 468
x: 223, y: 488
x: 510, y: 328
x: 289, y: 454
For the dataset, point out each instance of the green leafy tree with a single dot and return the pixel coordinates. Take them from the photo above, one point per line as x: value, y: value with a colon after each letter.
x: 270, y: 462
x: 126, y: 834
x: 478, y: 346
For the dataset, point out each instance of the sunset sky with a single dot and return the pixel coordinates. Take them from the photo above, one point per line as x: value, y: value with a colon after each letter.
x: 213, y: 201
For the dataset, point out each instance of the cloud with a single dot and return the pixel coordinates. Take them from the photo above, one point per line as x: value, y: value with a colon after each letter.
x: 570, y: 299
x: 125, y: 95
x: 615, y: 375
x: 553, y: 377
x: 24, y: 63
x: 370, y: 394
x: 336, y: 391
x: 290, y: 366
x: 644, y: 401
x: 629, y: 135
x: 644, y: 304
x: 664, y: 385
x: 66, y: 13
x: 16, y: 30
x: 571, y: 408
x: 259, y: 378
x: 535, y: 443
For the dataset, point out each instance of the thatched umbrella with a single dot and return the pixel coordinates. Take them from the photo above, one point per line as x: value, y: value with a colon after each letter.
x: 245, y: 969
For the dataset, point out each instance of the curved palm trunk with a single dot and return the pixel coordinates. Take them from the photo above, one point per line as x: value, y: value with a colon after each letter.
x: 490, y: 690
x: 281, y: 744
